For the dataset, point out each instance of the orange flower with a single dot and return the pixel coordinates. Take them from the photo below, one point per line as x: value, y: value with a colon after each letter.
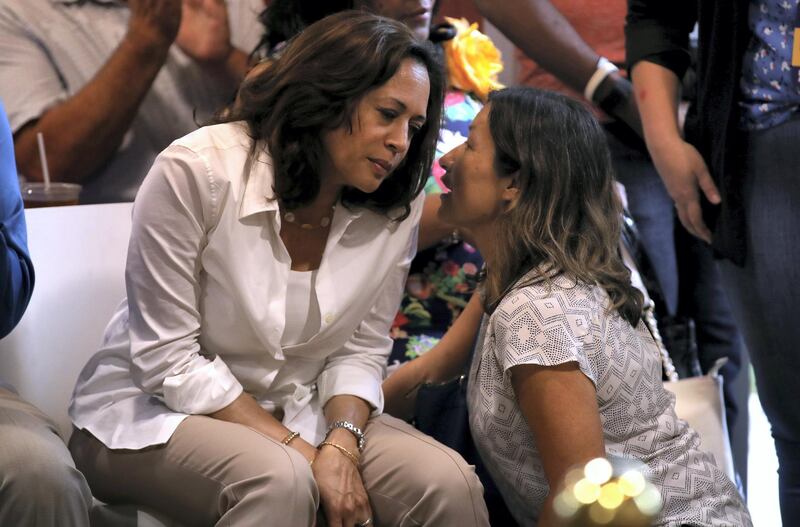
x: 473, y: 61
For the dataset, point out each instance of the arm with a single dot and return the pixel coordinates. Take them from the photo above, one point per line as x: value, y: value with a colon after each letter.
x: 444, y: 362
x: 564, y: 439
x: 101, y: 112
x: 431, y: 229
x: 542, y: 33
x: 679, y: 164
x: 545, y: 353
x: 16, y: 270
x: 657, y: 49
x: 98, y: 115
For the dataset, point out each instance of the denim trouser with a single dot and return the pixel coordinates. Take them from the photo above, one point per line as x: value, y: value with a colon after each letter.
x: 765, y: 294
x: 685, y: 269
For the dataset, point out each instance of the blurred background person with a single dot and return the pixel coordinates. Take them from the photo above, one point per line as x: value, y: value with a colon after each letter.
x: 110, y: 84
x: 733, y: 174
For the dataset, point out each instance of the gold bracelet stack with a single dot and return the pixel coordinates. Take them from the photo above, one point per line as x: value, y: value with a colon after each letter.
x: 289, y: 438
x: 352, y: 457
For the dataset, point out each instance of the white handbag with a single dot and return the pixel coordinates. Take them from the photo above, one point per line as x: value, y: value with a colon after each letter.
x: 698, y: 401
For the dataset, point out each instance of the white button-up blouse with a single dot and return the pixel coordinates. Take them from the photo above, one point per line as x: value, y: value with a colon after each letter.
x: 206, y: 282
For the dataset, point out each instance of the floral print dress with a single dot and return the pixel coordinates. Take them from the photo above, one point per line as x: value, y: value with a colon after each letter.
x: 442, y: 277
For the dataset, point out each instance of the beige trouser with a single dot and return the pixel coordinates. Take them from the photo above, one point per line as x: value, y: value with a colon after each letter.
x: 39, y: 485
x: 212, y: 472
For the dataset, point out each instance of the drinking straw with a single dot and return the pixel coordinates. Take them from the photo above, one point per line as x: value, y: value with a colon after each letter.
x: 43, y: 159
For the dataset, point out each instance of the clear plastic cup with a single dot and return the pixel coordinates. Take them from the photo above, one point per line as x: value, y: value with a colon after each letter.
x: 36, y: 194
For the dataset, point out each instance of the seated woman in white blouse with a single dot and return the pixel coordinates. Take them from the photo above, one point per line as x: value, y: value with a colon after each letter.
x: 240, y: 382
x: 564, y: 369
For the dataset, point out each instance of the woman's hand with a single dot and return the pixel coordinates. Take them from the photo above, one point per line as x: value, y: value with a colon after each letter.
x: 342, y: 493
x: 686, y: 175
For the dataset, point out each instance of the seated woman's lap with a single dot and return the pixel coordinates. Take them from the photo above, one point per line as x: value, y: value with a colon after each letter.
x: 209, y: 472
x: 212, y: 471
x: 414, y: 480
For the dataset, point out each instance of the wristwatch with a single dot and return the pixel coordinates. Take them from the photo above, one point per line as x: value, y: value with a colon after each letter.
x: 353, y: 429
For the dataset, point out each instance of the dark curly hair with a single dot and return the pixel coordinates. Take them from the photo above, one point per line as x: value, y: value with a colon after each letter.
x: 316, y: 84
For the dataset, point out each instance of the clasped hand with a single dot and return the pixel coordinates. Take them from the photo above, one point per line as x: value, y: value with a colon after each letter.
x: 341, y: 490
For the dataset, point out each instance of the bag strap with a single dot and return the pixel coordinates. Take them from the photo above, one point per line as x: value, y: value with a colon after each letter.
x: 650, y: 322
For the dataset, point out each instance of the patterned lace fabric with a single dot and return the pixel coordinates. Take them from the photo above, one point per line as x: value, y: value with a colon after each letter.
x: 442, y: 277
x: 569, y: 322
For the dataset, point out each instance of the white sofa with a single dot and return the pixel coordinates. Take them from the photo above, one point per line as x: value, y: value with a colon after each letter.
x: 78, y: 254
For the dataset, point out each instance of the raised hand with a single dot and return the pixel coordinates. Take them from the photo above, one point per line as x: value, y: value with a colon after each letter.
x: 155, y: 20
x: 204, y: 33
x: 684, y: 173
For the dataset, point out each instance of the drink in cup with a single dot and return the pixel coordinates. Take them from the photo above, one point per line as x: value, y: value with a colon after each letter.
x: 36, y: 194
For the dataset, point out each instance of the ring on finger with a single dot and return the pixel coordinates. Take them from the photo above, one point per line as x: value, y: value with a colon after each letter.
x: 365, y: 523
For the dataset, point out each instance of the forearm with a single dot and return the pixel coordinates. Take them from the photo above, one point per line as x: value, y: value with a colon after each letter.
x: 246, y: 411
x: 657, y: 92
x: 346, y: 408
x: 445, y: 361
x: 84, y: 132
x: 543, y: 34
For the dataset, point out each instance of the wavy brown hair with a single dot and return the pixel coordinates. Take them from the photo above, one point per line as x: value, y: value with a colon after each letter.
x: 316, y: 84
x: 567, y: 217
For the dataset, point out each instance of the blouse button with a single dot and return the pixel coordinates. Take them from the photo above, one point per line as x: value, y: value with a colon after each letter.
x: 329, y: 318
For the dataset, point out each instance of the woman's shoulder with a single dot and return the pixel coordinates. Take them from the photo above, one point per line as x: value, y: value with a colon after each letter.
x: 545, y: 301
x: 220, y: 137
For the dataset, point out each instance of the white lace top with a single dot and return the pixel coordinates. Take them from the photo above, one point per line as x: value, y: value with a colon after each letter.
x: 570, y: 322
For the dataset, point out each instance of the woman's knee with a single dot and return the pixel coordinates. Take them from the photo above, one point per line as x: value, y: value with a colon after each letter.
x: 280, y: 479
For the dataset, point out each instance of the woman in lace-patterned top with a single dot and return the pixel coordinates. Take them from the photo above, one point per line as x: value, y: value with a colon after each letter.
x: 564, y: 370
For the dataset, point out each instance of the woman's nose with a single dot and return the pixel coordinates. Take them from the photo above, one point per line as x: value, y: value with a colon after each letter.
x: 398, y: 140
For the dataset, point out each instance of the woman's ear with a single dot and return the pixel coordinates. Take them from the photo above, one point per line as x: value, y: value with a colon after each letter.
x: 511, y: 190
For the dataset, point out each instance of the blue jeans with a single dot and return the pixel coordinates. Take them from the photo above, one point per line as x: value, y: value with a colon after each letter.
x: 689, y: 279
x: 765, y: 293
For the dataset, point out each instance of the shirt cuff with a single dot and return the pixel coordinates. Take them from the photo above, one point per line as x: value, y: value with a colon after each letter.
x: 202, y: 390
x: 351, y: 380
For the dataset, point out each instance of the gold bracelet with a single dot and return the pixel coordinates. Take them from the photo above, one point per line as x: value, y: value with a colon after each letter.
x: 289, y: 438
x: 341, y: 449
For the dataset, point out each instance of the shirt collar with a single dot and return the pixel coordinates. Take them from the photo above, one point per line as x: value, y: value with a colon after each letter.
x: 258, y: 194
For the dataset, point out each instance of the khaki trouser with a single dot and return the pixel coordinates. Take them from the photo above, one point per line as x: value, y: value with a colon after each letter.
x: 39, y: 485
x: 212, y: 472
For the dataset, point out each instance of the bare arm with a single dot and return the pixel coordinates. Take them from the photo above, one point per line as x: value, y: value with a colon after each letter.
x: 444, y: 362
x: 344, y: 499
x: 99, y: 115
x: 678, y: 163
x: 542, y: 33
x: 246, y: 411
x: 560, y: 406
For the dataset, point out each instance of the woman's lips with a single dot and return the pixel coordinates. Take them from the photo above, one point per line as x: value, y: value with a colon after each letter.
x: 382, y: 167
